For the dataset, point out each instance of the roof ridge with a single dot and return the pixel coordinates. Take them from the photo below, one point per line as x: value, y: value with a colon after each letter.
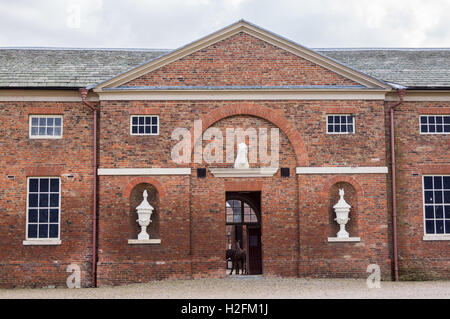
x: 82, y: 49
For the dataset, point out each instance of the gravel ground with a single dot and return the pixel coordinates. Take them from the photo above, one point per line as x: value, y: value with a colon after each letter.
x: 247, y: 287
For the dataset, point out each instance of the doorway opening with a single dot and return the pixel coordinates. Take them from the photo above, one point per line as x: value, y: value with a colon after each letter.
x: 243, y: 227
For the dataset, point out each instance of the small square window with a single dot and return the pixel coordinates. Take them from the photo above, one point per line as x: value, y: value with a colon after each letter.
x: 340, y: 124
x: 144, y: 125
x: 45, y: 126
x: 435, y: 124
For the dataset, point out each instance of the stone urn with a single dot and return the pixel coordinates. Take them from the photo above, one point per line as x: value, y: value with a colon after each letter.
x: 342, y: 208
x: 144, y: 211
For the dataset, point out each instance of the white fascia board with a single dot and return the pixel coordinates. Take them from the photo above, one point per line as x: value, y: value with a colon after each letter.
x: 178, y: 95
x: 143, y: 171
x: 342, y: 170
x: 11, y: 95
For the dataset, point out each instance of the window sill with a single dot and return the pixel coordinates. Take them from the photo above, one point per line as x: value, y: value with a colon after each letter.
x: 436, y: 237
x: 41, y: 242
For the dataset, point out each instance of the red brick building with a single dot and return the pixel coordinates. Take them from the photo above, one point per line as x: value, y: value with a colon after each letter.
x: 85, y: 132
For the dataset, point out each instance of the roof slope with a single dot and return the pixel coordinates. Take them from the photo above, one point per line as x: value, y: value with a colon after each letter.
x: 74, y: 68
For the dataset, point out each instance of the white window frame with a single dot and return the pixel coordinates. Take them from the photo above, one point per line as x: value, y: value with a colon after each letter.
x: 432, y: 133
x: 431, y: 237
x: 43, y: 241
x: 44, y: 136
x: 342, y: 114
x: 143, y: 134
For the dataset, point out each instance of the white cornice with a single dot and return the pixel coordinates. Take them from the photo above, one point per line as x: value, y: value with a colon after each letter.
x: 143, y: 171
x: 43, y: 96
x: 257, y: 32
x: 342, y: 170
x: 419, y: 96
x: 256, y: 94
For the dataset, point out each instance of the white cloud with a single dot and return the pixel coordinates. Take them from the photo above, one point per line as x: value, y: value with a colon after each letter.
x: 173, y: 23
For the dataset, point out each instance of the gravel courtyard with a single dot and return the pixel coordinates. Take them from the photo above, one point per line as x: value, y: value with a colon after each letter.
x: 247, y: 288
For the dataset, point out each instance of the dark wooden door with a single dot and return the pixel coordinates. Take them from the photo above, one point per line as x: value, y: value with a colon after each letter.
x: 254, y: 251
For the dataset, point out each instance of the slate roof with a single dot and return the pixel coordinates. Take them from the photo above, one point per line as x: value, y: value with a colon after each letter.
x: 75, y: 68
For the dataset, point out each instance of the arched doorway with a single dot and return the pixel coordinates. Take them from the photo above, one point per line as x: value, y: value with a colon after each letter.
x: 243, y: 227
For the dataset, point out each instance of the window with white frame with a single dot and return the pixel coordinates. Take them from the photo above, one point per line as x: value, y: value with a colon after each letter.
x: 436, y: 190
x: 144, y: 125
x: 340, y: 124
x: 435, y: 124
x: 43, y: 207
x: 46, y: 126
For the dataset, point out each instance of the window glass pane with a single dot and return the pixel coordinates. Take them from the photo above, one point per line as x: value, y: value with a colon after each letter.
x: 350, y: 128
x: 349, y: 119
x: 134, y: 120
x: 53, y: 231
x: 34, y: 131
x: 429, y: 211
x: 446, y: 182
x: 42, y: 121
x: 141, y: 120
x: 438, y: 197
x: 134, y: 129
x: 429, y: 226
x: 431, y: 119
x: 34, y: 121
x: 33, y: 200
x: 439, y: 226
x: 429, y: 197
x: 330, y: 129
x: 147, y: 130
x: 431, y: 128
x: 447, y: 197
x: 32, y: 216
x: 447, y: 119
x: 423, y: 119
x: 43, y: 231
x: 32, y: 230
x: 330, y: 119
x: 42, y: 130
x: 439, y: 128
x: 343, y: 119
x: 447, y: 226
x: 439, y: 119
x: 337, y: 128
x: 344, y: 128
x: 43, y: 215
x: 43, y: 185
x: 447, y: 128
x: 447, y: 211
x: 54, y: 215
x: 58, y: 121
x: 43, y: 200
x: 33, y: 185
x: 428, y: 182
x: 141, y: 129
x: 54, y: 185
x: 154, y: 130
x: 54, y: 200
x: 50, y: 131
x: 57, y: 131
x: 50, y: 121
x: 439, y: 211
x: 337, y: 119
x: 147, y: 120
x: 154, y: 120
x: 437, y: 182
x: 424, y: 128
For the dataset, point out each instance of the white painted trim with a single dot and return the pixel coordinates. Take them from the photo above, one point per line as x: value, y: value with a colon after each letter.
x: 343, y: 240
x: 143, y: 171
x: 255, y: 94
x: 244, y: 172
x: 436, y: 237
x: 426, y: 96
x: 41, y: 242
x: 144, y: 241
x: 252, y: 30
x: 11, y: 95
x: 343, y: 170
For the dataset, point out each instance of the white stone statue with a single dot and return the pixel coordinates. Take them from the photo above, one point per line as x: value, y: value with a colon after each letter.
x: 342, y: 209
x: 241, y: 158
x: 144, y: 211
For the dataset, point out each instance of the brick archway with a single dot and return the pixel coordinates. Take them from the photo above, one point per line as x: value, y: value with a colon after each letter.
x: 274, y: 116
x: 139, y: 180
x: 347, y: 179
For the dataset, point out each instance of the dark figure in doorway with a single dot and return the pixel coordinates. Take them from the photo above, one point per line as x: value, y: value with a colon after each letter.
x: 238, y: 259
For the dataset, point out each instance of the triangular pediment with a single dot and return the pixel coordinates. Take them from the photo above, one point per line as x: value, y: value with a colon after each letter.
x: 242, y: 55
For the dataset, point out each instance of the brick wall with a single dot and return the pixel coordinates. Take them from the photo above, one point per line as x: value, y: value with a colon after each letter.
x: 22, y: 157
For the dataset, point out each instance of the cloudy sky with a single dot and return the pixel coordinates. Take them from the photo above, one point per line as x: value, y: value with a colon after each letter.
x: 168, y: 24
